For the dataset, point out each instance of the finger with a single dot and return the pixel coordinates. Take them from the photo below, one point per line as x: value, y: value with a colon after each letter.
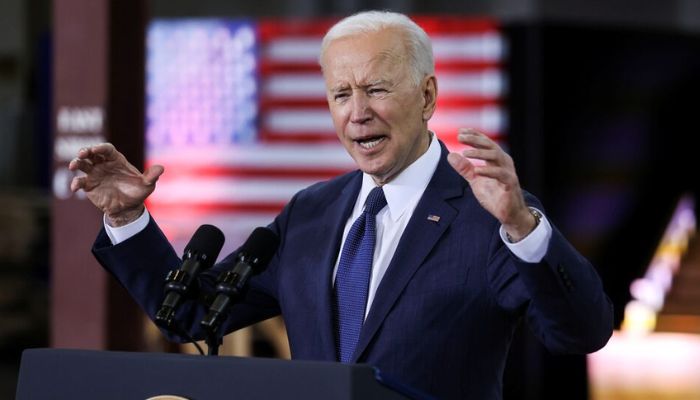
x: 98, y: 153
x: 103, y: 148
x: 471, y: 131
x: 84, y: 165
x: 476, y: 141
x: 494, y: 172
x: 78, y: 182
x: 460, y: 164
x: 481, y: 154
x: 475, y: 138
x: 73, y: 164
x: 105, y: 152
x: 84, y: 153
x: 151, y: 175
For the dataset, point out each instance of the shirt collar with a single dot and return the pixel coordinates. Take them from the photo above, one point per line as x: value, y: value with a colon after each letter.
x: 407, y: 187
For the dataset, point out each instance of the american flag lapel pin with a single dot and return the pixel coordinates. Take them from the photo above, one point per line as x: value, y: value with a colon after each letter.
x: 434, y: 218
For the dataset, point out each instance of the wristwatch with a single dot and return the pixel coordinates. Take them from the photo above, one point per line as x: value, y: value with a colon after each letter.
x: 538, y: 218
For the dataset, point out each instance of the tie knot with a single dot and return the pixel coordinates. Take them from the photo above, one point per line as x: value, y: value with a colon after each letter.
x: 375, y: 201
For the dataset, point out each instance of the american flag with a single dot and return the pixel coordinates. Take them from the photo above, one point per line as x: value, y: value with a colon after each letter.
x: 237, y: 113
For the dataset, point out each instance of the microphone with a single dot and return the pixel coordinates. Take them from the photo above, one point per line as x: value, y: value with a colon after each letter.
x: 200, y: 254
x: 253, y: 257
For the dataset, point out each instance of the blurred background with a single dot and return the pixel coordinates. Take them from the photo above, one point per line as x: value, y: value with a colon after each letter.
x: 594, y: 100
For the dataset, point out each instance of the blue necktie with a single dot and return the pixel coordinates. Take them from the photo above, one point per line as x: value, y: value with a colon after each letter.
x: 352, y: 277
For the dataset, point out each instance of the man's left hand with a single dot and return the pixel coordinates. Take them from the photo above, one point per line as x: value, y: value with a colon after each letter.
x: 491, y: 174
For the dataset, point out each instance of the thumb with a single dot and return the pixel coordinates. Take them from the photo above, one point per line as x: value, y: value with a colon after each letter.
x: 460, y: 164
x: 152, y: 173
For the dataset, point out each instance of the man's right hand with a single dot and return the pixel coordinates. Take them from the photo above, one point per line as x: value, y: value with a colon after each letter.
x: 112, y: 184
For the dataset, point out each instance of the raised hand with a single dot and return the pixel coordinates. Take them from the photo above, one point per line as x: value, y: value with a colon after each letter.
x: 112, y: 184
x: 494, y: 182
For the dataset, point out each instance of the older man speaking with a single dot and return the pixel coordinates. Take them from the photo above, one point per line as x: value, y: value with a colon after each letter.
x: 420, y: 263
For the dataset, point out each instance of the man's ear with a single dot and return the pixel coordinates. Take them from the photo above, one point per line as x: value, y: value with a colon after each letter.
x: 429, y: 91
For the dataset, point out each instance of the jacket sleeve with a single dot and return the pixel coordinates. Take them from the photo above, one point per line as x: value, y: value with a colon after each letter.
x: 561, y: 297
x: 141, y: 263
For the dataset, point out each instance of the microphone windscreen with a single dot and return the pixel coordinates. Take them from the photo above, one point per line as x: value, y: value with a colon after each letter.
x: 206, y: 243
x: 261, y: 244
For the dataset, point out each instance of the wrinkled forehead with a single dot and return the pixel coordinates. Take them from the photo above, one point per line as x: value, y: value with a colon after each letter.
x: 383, y: 51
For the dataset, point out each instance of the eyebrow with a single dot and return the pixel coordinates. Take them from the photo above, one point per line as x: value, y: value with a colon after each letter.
x: 377, y: 82
x: 344, y: 86
x: 340, y: 87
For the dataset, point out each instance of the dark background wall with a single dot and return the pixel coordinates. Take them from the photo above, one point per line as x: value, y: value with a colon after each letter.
x: 601, y: 129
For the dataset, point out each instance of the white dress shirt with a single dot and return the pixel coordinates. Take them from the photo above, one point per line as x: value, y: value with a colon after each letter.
x: 402, y: 195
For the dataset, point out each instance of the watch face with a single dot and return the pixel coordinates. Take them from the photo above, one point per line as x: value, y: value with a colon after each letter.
x: 536, y: 214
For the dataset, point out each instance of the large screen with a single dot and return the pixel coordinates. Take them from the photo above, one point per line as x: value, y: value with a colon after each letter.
x: 237, y: 113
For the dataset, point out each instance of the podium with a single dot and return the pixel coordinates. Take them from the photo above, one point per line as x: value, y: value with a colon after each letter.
x: 105, y: 375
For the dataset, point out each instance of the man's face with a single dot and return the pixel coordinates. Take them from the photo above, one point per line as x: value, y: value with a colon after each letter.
x: 379, y: 113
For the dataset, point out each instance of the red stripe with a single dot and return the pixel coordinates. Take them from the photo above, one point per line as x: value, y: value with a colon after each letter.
x: 271, y: 28
x: 268, y: 101
x: 272, y: 67
x: 310, y: 138
x: 472, y: 66
x: 464, y: 103
x: 450, y: 138
x: 451, y: 24
x: 269, y: 136
x: 296, y: 139
x: 210, y: 171
x: 445, y: 100
x: 209, y: 207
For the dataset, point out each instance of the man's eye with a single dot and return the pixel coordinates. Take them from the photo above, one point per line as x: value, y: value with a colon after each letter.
x: 377, y: 91
x: 340, y: 96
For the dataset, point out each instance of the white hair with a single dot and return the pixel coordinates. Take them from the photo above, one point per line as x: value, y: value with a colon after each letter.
x: 418, y: 46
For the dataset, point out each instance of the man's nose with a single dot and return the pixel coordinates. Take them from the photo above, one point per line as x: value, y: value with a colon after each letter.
x: 361, y: 111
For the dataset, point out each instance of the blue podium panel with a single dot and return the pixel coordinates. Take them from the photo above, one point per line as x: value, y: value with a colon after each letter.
x: 84, y: 374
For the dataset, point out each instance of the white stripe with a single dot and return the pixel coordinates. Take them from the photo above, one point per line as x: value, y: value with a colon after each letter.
x: 488, y: 46
x: 295, y: 86
x: 331, y: 155
x: 489, y: 119
x: 228, y: 190
x: 486, y: 84
x: 294, y: 50
x: 309, y: 120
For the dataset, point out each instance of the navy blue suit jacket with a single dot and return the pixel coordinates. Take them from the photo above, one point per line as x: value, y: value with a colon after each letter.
x: 445, y: 311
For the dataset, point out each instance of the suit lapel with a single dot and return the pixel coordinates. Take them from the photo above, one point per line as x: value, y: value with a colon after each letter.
x: 333, y: 221
x: 416, y: 242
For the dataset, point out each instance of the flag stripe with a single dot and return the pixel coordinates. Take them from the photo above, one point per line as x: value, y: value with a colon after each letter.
x: 206, y: 207
x: 205, y: 171
x: 257, y: 156
x: 229, y: 190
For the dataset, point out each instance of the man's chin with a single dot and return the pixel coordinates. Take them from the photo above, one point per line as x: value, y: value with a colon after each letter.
x: 380, y: 176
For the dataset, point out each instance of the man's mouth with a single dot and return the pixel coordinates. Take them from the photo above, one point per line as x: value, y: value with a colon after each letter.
x: 371, y: 142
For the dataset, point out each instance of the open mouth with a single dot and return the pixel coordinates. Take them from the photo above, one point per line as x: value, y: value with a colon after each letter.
x: 371, y: 142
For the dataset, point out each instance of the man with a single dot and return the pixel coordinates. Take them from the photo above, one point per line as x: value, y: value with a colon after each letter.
x: 450, y: 253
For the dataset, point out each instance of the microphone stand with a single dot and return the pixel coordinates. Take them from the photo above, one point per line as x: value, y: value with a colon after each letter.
x: 229, y: 290
x: 213, y: 342
x: 255, y: 253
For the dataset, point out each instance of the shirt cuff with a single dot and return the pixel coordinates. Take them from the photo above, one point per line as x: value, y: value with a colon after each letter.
x: 533, y: 247
x: 118, y: 234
